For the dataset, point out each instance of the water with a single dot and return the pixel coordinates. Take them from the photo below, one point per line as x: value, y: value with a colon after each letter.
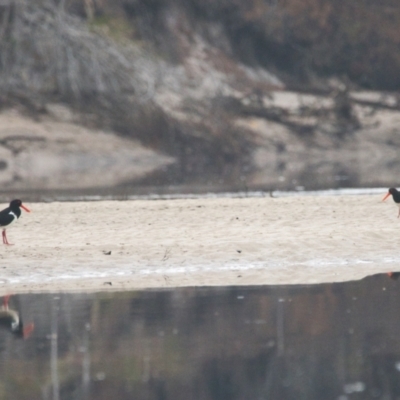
x: 178, y: 192
x: 329, y: 341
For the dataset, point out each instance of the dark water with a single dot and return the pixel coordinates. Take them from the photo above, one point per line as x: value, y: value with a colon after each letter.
x: 176, y: 180
x: 331, y: 341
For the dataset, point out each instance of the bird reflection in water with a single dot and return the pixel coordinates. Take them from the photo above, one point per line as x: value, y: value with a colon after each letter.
x: 11, y: 320
x: 394, y: 275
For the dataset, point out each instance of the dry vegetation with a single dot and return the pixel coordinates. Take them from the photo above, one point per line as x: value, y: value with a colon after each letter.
x: 174, y: 74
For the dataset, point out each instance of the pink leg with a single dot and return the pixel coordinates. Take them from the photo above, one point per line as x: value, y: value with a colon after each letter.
x: 6, y: 299
x: 5, y: 241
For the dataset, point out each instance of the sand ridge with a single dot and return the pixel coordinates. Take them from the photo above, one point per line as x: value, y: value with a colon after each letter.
x: 189, y: 242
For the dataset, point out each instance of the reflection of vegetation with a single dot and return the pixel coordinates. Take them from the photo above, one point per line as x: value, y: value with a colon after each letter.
x: 21, y: 379
x: 243, y: 343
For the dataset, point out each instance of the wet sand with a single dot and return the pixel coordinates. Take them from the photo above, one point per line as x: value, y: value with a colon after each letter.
x: 113, y: 245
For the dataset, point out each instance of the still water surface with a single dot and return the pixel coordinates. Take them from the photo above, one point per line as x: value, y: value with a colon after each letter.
x: 330, y: 341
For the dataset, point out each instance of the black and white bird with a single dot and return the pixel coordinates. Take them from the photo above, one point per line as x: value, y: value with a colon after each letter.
x: 396, y: 197
x: 10, y: 215
x: 11, y: 320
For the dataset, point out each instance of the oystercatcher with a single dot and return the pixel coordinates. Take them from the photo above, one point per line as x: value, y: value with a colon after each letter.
x: 9, y: 215
x: 11, y: 320
x: 396, y: 197
x: 394, y: 275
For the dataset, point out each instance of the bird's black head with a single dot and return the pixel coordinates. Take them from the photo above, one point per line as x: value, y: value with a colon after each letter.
x: 392, y: 191
x: 16, y: 204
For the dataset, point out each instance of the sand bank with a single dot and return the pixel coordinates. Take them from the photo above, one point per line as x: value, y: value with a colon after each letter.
x: 147, y: 244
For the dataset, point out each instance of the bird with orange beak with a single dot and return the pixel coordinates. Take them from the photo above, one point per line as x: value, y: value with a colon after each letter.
x: 10, y: 215
x: 396, y: 197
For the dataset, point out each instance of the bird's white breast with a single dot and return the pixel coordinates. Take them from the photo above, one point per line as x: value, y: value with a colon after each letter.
x: 14, y: 217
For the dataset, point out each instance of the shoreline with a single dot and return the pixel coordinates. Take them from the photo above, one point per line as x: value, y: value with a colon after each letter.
x: 186, y: 193
x: 63, y: 246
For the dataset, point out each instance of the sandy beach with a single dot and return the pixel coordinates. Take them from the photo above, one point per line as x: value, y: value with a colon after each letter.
x: 113, y: 245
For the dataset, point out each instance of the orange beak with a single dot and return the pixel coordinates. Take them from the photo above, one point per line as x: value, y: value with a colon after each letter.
x: 28, y: 330
x: 386, y: 196
x: 25, y: 208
